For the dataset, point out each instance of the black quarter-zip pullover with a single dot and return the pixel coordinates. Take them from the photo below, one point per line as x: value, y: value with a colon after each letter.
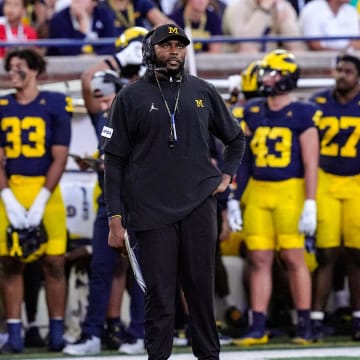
x: 158, y: 185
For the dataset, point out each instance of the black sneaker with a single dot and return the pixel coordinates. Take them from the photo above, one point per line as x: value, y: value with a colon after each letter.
x: 33, y: 338
x: 114, y: 335
x: 356, y: 329
x: 235, y: 318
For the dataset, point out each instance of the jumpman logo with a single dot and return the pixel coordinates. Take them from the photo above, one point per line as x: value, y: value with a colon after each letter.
x: 153, y: 107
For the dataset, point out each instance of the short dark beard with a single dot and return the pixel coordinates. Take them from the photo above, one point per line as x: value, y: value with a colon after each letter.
x: 345, y: 91
x: 170, y: 72
x: 345, y: 94
x: 342, y: 92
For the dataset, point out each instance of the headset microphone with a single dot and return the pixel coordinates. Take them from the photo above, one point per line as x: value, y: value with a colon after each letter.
x: 153, y: 67
x: 163, y: 68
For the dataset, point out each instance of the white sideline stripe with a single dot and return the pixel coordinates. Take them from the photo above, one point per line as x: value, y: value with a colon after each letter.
x: 248, y: 355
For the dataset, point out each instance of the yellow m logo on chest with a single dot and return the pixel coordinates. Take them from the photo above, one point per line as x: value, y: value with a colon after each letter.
x: 199, y: 103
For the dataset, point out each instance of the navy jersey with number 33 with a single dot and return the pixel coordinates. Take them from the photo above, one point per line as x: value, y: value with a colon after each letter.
x: 28, y: 131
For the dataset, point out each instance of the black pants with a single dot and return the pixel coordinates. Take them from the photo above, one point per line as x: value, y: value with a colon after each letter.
x: 221, y: 277
x: 185, y: 251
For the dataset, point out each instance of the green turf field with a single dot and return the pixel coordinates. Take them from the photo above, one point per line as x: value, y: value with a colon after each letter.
x: 338, y: 348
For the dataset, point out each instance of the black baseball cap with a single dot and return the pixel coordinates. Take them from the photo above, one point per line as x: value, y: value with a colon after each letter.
x: 167, y: 32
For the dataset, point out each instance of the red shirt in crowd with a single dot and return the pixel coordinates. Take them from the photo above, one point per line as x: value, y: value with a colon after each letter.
x: 20, y: 33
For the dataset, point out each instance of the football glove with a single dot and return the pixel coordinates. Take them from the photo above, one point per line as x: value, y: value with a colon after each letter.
x: 36, y: 212
x: 307, y: 223
x: 234, y: 215
x: 234, y: 83
x: 131, y: 55
x: 15, y: 212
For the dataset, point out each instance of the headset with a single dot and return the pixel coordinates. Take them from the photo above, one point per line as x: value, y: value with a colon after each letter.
x: 148, y: 51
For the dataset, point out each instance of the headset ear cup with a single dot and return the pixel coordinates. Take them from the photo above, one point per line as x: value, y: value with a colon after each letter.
x: 151, y: 52
x: 148, y: 50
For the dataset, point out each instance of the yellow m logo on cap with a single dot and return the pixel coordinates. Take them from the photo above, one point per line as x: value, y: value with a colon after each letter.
x: 173, y: 30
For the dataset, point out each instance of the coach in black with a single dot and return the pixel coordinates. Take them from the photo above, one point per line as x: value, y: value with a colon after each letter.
x: 160, y: 183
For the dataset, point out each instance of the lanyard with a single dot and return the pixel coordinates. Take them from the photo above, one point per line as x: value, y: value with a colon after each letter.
x: 19, y: 35
x: 126, y: 22
x: 199, y: 31
x: 172, y: 135
x: 201, y: 26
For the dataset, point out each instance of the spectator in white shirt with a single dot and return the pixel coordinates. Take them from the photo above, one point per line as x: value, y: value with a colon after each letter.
x: 330, y: 18
x: 261, y: 18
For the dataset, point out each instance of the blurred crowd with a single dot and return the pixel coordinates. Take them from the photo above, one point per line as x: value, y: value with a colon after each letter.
x: 91, y: 20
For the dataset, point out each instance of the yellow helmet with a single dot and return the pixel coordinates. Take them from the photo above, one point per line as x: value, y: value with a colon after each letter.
x: 284, y: 63
x: 250, y: 80
x: 135, y: 33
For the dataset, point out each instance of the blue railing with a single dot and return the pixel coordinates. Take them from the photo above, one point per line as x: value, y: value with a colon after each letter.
x: 223, y: 39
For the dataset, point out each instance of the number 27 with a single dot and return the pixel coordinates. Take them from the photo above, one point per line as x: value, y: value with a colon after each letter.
x: 332, y: 125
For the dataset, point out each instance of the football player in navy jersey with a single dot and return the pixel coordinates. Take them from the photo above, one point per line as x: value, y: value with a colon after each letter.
x: 35, y: 131
x: 280, y: 204
x: 339, y: 188
x: 249, y: 90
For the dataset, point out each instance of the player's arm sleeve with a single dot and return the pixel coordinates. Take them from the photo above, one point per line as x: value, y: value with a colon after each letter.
x: 243, y: 173
x: 3, y: 177
x: 311, y: 117
x: 62, y: 123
